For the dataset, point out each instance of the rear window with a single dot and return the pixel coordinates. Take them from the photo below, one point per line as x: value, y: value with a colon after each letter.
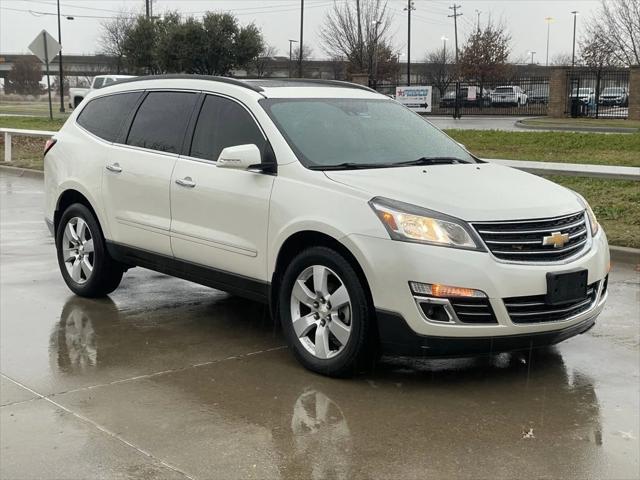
x: 105, y: 116
x: 504, y: 90
x: 161, y: 121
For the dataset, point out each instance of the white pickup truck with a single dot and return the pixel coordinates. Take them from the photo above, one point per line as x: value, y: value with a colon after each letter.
x: 76, y: 95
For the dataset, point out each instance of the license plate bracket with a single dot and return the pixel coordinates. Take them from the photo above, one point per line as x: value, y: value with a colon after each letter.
x: 566, y: 287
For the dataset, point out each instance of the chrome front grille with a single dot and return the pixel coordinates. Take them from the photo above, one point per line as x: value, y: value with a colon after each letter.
x: 473, y: 310
x: 533, y: 309
x: 541, y: 240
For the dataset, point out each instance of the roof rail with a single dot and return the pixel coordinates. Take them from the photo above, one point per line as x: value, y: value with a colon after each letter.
x: 185, y: 76
x: 335, y: 83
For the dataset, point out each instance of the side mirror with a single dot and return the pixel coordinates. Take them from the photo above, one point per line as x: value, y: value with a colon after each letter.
x: 240, y: 157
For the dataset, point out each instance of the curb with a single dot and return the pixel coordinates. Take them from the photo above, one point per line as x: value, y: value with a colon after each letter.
x: 618, y: 254
x: 22, y: 172
x: 625, y: 254
x: 560, y: 128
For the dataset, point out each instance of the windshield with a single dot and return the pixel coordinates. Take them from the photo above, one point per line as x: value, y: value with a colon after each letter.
x: 612, y: 91
x: 581, y: 91
x: 504, y: 90
x: 363, y: 133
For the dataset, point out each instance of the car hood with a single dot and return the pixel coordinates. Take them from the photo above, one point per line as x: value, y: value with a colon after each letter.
x: 472, y: 192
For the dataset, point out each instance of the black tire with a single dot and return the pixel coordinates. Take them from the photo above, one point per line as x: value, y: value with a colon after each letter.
x: 359, y: 350
x: 106, y: 274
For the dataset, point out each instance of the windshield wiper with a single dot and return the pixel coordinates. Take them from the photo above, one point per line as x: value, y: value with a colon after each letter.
x: 433, y: 161
x: 350, y: 166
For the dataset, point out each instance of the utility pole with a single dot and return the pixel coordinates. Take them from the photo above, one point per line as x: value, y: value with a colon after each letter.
x: 455, y: 16
x: 410, y: 6
x: 360, y: 47
x: 146, y: 8
x: 301, y: 37
x: 291, y: 42
x: 548, y: 20
x: 60, y: 73
x: 532, y: 53
x: 573, y: 53
x: 376, y: 24
x: 478, y: 12
x: 150, y: 8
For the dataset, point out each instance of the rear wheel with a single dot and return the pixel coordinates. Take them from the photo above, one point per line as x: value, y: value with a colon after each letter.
x: 325, y: 313
x: 86, y: 266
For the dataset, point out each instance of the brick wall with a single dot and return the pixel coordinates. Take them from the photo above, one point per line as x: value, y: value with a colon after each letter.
x: 557, y: 92
x: 634, y: 93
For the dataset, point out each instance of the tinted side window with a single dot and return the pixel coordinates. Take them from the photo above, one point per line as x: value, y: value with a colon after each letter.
x: 98, y: 83
x: 223, y: 123
x: 105, y: 116
x: 162, y: 120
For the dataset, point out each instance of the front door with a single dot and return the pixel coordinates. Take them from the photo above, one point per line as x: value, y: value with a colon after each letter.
x: 220, y: 216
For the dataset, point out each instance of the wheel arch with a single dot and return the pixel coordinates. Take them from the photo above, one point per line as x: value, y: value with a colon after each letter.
x: 67, y: 198
x: 301, y: 240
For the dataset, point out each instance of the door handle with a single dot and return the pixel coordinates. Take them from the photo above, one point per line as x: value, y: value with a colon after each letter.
x: 116, y: 168
x: 186, y: 182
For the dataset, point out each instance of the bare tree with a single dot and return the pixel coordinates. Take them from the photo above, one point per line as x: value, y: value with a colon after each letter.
x: 114, y: 34
x: 307, y: 52
x: 612, y: 35
x: 340, y: 35
x: 439, y: 68
x: 261, y: 62
x: 485, y: 54
x: 561, y: 59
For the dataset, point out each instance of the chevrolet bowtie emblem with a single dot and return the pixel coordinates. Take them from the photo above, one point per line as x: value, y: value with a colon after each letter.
x: 557, y: 239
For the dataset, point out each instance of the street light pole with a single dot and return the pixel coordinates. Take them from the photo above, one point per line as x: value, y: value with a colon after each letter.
x: 573, y: 53
x: 410, y: 6
x: 301, y: 37
x: 291, y: 42
x: 548, y: 20
x: 60, y: 63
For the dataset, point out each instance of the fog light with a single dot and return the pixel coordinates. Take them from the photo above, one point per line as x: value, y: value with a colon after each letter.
x: 438, y: 290
x: 435, y: 312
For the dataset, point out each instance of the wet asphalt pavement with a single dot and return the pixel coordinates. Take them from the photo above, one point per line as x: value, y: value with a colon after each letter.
x: 166, y: 379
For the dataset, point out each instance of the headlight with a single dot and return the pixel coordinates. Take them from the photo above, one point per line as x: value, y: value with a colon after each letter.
x: 593, y: 221
x: 410, y: 223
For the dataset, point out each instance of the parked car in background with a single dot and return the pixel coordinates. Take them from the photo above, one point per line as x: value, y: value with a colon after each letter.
x: 508, y: 95
x: 76, y: 95
x: 585, y: 95
x: 538, y: 93
x: 365, y: 228
x: 614, y: 96
x: 482, y: 98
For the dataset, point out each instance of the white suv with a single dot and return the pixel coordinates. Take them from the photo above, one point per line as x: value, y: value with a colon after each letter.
x: 366, y: 229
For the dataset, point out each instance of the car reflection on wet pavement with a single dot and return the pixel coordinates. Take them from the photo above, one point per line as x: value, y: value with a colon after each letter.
x: 167, y: 379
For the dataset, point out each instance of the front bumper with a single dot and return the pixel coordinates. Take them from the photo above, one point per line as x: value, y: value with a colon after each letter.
x: 397, y: 338
x: 390, y: 265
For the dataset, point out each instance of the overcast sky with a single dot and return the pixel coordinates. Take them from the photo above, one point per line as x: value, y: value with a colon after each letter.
x: 22, y: 20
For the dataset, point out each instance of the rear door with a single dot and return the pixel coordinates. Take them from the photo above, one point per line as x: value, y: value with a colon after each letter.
x: 138, y: 173
x: 220, y: 216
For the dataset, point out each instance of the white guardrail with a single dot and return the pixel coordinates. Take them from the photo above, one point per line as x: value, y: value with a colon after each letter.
x: 539, y: 168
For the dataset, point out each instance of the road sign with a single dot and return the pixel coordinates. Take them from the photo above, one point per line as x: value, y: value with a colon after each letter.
x: 45, y: 47
x: 417, y: 98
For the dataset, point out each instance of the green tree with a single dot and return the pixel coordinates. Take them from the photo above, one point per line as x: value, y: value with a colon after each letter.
x: 24, y: 77
x: 140, y: 46
x: 228, y: 45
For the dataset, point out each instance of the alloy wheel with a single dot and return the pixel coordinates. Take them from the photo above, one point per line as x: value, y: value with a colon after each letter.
x: 78, y: 250
x: 321, y: 311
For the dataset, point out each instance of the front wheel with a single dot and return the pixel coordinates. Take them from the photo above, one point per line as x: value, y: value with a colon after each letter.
x: 325, y: 313
x: 86, y: 266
